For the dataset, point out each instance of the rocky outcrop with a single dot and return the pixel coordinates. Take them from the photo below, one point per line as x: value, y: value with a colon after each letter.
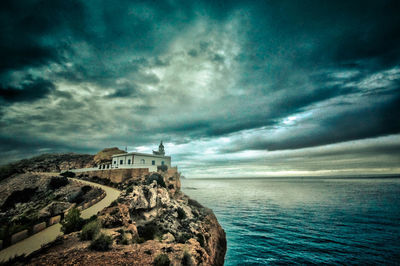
x: 151, y: 217
x: 105, y: 155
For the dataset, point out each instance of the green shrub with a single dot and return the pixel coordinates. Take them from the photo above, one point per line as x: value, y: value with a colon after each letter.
x: 148, y: 231
x: 101, y: 243
x: 58, y: 181
x: 158, y: 178
x: 92, y: 218
x: 138, y: 240
x: 181, y: 213
x: 86, y: 189
x: 90, y: 230
x: 183, y: 237
x: 125, y: 240
x: 163, y: 168
x: 129, y: 189
x: 18, y: 196
x: 68, y: 174
x: 72, y: 222
x: 161, y: 260
x: 186, y: 259
x: 76, y: 197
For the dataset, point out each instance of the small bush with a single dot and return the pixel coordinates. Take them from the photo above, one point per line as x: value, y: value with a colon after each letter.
x: 68, y: 174
x: 163, y: 168
x: 138, y: 240
x: 161, y: 260
x: 114, y: 203
x: 101, y: 243
x: 90, y: 231
x: 187, y: 259
x: 76, y: 197
x: 86, y: 189
x: 18, y: 196
x: 125, y: 240
x: 181, y: 213
x: 158, y: 178
x: 58, y: 181
x: 182, y: 238
x: 129, y: 189
x: 92, y: 218
x: 148, y: 231
x: 72, y: 222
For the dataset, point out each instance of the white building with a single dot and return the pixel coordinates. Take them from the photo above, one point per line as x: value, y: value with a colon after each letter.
x: 139, y: 160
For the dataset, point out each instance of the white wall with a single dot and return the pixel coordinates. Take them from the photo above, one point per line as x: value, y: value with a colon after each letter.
x: 148, y: 160
x: 139, y: 161
x: 124, y: 158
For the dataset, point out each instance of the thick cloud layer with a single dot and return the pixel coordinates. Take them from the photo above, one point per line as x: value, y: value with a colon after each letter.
x: 238, y: 82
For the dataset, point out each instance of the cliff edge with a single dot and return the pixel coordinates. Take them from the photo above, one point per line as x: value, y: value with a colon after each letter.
x: 151, y: 223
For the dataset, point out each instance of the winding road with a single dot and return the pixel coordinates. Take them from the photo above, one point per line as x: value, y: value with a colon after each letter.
x: 34, y: 242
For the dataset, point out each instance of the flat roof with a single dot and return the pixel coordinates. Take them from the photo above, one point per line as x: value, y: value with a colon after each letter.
x: 142, y: 154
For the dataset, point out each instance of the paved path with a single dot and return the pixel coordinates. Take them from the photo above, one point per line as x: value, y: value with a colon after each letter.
x: 49, y: 234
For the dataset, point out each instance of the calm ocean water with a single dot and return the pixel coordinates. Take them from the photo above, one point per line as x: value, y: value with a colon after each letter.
x: 305, y: 221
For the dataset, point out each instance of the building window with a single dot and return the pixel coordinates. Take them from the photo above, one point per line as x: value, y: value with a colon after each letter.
x: 100, y: 166
x: 108, y: 166
x: 115, y: 162
x: 162, y: 162
x: 153, y: 162
x: 121, y: 161
x: 142, y: 161
x: 104, y: 166
x: 129, y: 161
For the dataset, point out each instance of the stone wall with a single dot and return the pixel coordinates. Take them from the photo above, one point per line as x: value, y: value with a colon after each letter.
x: 118, y: 175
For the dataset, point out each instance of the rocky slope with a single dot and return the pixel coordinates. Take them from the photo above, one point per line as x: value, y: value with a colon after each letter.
x: 47, y: 163
x: 104, y: 156
x: 57, y: 162
x: 31, y: 198
x: 151, y: 217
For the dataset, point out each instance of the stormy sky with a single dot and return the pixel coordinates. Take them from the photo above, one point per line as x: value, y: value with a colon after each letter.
x: 233, y: 88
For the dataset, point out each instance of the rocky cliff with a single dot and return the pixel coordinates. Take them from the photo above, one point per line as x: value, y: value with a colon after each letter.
x: 151, y: 218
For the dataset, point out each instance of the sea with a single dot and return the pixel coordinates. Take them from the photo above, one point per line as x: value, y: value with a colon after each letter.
x: 280, y: 221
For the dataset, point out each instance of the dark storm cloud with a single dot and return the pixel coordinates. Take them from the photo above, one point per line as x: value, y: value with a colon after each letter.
x: 189, y: 71
x: 29, y: 90
x: 28, y: 29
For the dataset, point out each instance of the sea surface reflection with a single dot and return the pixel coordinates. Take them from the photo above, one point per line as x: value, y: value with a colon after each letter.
x: 305, y: 221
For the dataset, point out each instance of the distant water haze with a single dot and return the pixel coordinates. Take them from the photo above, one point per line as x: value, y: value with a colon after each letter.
x: 305, y: 221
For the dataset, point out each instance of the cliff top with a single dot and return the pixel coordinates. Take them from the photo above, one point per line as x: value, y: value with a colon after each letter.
x: 104, y: 156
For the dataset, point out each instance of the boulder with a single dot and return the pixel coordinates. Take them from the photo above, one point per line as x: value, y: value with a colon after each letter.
x: 54, y: 208
x: 168, y: 238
